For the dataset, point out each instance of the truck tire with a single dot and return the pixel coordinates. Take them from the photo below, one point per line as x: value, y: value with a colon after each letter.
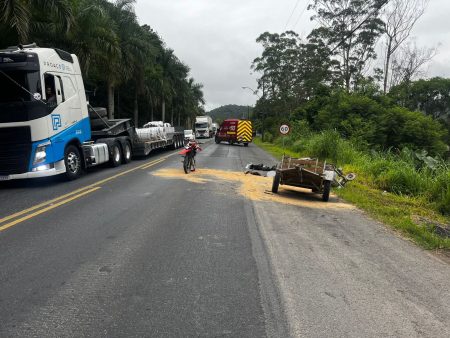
x: 245, y: 144
x: 276, y: 183
x: 97, y: 124
x: 97, y: 112
x: 127, y: 153
x: 73, y: 162
x: 326, y: 191
x: 116, y: 155
x: 217, y: 140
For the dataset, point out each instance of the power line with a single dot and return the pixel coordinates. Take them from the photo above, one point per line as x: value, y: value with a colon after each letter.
x: 292, y: 13
x: 301, y: 14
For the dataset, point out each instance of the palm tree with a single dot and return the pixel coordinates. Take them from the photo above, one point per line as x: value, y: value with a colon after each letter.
x: 20, y: 16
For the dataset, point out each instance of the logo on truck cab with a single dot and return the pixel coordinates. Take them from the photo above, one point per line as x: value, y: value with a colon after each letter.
x: 56, y: 121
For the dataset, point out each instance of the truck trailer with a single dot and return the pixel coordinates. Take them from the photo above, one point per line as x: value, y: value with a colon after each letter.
x: 47, y: 126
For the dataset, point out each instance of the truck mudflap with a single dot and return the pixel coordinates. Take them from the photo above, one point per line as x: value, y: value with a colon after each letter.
x: 244, y: 131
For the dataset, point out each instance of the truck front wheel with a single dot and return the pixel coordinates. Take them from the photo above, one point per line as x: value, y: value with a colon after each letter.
x: 73, y: 162
x: 116, y: 155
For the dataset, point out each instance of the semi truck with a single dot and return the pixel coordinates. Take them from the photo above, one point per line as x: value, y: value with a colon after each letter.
x: 203, y: 127
x: 235, y: 131
x: 47, y: 126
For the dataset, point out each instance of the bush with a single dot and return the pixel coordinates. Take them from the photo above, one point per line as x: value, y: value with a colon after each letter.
x: 377, y: 164
x: 440, y: 192
x: 299, y: 146
x: 324, y: 145
x: 403, y: 179
x: 329, y: 145
x: 268, y: 137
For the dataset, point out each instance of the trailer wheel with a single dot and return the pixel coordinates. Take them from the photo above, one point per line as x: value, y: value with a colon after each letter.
x: 116, y: 155
x: 127, y: 153
x: 73, y: 162
x: 276, y: 183
x: 245, y: 144
x: 326, y: 191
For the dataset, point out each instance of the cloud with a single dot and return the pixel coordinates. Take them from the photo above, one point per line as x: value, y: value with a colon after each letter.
x: 216, y: 38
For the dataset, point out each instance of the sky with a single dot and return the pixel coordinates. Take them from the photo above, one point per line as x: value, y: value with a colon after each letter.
x: 216, y: 38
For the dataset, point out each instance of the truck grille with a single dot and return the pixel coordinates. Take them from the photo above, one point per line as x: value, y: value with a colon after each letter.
x: 15, y: 150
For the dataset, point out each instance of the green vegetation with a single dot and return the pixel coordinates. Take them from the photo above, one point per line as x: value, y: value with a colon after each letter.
x: 388, y: 126
x: 126, y: 66
x: 229, y: 111
x: 408, y: 191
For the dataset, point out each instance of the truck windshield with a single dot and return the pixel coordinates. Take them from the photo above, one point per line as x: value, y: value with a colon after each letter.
x: 18, y: 85
x: 201, y: 125
x: 20, y: 96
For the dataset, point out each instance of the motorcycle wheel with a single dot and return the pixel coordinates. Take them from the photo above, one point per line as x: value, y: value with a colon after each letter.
x: 186, y: 164
x: 192, y: 164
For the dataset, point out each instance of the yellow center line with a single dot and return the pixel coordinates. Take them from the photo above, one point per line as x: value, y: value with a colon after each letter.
x: 53, y: 206
x: 62, y: 197
x: 153, y: 163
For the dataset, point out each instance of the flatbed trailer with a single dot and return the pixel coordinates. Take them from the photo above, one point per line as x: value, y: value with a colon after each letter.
x: 123, y: 130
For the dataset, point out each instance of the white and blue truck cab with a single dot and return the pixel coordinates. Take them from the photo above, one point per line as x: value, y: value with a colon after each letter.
x: 46, y: 127
x: 43, y: 109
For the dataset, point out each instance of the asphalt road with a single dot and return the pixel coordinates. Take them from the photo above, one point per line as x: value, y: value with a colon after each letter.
x: 145, y: 250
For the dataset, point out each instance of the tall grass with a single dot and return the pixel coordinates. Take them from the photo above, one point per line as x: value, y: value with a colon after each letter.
x: 401, y: 173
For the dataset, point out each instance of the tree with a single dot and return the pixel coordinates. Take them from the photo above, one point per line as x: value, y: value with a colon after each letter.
x: 19, y: 16
x: 172, y: 70
x: 278, y: 64
x: 409, y: 62
x: 291, y: 71
x: 399, y: 17
x: 352, y: 27
x: 431, y: 97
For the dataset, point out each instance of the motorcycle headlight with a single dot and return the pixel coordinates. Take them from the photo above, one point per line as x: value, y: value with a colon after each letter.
x: 40, y: 155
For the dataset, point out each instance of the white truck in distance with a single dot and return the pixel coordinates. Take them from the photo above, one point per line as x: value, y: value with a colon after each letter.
x: 215, y: 127
x: 203, y: 127
x: 46, y: 127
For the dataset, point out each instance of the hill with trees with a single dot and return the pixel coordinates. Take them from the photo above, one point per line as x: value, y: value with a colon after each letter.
x: 229, y: 111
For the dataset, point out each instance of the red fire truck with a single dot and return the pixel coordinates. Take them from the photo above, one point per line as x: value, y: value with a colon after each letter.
x: 235, y: 131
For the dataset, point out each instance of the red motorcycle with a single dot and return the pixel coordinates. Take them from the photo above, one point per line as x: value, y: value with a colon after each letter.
x: 189, y: 152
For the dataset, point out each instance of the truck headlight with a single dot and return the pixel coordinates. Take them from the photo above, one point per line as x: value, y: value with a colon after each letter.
x: 40, y: 155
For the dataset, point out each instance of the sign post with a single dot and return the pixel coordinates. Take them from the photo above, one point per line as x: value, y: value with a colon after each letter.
x: 285, y: 129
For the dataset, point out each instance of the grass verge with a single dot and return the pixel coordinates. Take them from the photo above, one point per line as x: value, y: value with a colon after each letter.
x: 413, y: 217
